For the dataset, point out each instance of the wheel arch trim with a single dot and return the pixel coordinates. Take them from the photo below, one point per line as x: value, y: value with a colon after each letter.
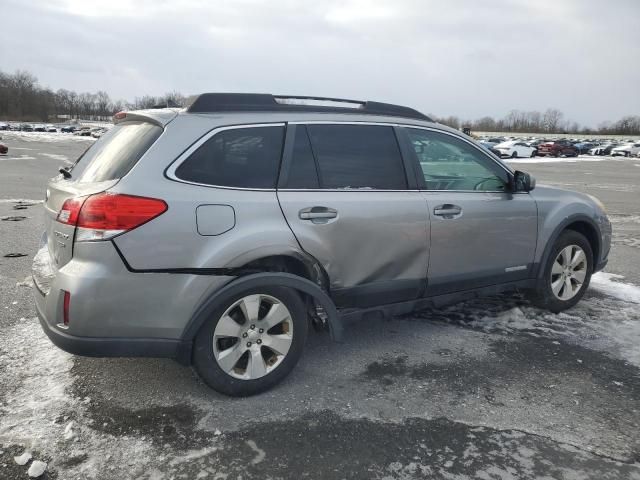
x: 561, y: 227
x: 236, y: 286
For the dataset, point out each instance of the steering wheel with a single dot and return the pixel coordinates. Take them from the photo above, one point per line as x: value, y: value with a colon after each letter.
x: 483, y: 181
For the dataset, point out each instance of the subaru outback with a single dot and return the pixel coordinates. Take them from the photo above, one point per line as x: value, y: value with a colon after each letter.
x: 219, y: 233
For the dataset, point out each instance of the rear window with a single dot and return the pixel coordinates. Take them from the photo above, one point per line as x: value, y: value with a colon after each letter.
x: 116, y: 152
x: 242, y: 157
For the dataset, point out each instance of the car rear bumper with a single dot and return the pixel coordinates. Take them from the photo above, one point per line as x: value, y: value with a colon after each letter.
x: 109, y: 347
x: 113, y: 311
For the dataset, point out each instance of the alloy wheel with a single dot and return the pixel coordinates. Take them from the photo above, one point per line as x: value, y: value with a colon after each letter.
x: 253, y: 336
x: 568, y: 272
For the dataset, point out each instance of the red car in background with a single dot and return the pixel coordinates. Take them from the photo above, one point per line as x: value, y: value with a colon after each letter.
x: 557, y: 148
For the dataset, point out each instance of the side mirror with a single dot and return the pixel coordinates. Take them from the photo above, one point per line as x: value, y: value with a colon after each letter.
x: 523, y: 182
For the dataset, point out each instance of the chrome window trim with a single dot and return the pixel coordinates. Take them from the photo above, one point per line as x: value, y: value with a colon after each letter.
x: 170, y: 172
x: 401, y: 125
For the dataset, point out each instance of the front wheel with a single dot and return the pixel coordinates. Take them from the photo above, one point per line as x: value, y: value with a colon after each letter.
x: 251, y: 342
x: 566, y: 274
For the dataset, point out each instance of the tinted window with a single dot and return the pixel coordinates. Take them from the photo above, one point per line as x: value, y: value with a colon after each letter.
x: 116, y: 152
x: 449, y: 163
x: 302, y: 171
x: 357, y: 156
x: 242, y: 157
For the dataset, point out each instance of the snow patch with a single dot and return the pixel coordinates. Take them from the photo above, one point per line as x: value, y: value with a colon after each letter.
x: 22, y: 459
x: 606, y: 319
x: 45, y: 137
x: 608, y: 283
x: 37, y: 468
x: 55, y: 156
x: 260, y: 454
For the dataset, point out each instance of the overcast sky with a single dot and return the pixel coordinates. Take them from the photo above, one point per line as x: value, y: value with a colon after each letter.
x: 466, y: 58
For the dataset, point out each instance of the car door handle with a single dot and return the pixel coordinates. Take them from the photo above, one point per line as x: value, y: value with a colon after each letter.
x: 447, y: 210
x: 317, y: 214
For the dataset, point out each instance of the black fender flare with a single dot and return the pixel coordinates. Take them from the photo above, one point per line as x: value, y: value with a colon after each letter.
x: 562, y: 226
x: 281, y: 279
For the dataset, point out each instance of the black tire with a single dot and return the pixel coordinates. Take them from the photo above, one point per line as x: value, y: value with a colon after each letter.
x: 543, y: 295
x: 206, y: 365
x: 534, y: 153
x: 514, y: 155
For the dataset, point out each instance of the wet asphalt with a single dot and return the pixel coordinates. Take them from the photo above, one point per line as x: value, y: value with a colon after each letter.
x: 436, y: 394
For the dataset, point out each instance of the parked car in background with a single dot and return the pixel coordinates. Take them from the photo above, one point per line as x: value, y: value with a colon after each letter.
x: 25, y: 127
x: 557, y: 148
x: 68, y: 129
x: 230, y: 245
x: 515, y: 149
x: 51, y: 129
x: 83, y: 131
x: 4, y: 126
x: 39, y: 128
x: 626, y: 150
x: 98, y: 132
x: 603, y: 149
x: 584, y: 147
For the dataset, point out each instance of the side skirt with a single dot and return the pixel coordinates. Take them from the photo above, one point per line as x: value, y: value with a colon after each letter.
x: 349, y: 315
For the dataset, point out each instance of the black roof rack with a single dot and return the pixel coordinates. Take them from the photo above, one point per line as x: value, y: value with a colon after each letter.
x: 264, y: 102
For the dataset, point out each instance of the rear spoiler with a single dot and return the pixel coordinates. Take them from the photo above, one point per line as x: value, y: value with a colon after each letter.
x: 159, y: 116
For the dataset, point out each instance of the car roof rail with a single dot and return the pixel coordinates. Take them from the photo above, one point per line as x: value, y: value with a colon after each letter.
x: 264, y: 102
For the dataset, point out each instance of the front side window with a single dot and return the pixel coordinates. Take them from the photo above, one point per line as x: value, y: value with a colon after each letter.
x: 241, y: 157
x: 449, y: 163
x: 356, y: 156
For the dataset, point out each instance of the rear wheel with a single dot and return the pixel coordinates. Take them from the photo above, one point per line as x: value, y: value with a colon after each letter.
x: 534, y: 153
x: 252, y: 342
x: 566, y: 274
x: 514, y: 155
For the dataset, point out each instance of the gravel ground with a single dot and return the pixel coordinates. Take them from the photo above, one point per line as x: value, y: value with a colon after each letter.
x: 490, y: 389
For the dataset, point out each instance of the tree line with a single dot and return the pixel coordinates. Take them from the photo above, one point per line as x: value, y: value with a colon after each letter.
x: 549, y: 121
x: 23, y: 99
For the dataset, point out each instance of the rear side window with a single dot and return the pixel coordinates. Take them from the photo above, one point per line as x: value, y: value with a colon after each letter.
x: 242, y: 157
x: 357, y: 156
x: 116, y: 152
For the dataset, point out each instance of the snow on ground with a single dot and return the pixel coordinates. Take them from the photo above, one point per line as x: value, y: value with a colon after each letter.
x: 580, y: 158
x: 45, y: 137
x: 37, y: 408
x: 39, y: 411
x: 606, y: 319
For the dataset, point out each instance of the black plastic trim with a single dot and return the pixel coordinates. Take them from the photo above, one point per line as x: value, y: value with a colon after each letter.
x: 562, y: 226
x: 378, y: 293
x: 437, y: 301
x: 233, y: 288
x: 110, y: 346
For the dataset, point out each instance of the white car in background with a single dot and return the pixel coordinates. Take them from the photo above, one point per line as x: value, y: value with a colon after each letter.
x: 515, y: 149
x: 627, y: 150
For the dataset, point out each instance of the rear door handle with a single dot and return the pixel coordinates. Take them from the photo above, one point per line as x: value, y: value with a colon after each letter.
x: 318, y: 214
x: 447, y: 210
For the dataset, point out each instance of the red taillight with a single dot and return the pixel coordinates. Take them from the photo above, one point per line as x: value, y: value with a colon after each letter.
x: 70, y: 210
x: 65, y: 308
x: 120, y: 115
x: 104, y: 215
x: 107, y: 211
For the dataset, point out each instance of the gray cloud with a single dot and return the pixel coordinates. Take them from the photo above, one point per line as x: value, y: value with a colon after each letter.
x: 464, y: 58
